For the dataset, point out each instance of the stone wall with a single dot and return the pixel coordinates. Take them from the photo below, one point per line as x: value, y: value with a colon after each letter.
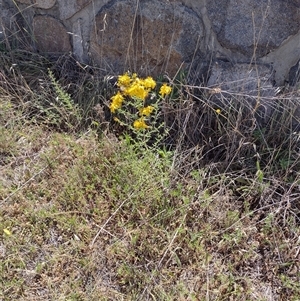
x: 158, y: 36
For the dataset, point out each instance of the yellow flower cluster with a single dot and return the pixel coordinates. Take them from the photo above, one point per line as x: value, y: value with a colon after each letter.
x: 146, y: 111
x: 134, y: 86
x: 138, y: 89
x: 140, y: 124
x: 165, y: 90
x: 116, y: 103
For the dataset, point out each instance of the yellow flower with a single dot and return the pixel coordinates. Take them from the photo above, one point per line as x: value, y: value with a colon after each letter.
x: 149, y: 83
x: 7, y: 232
x: 113, y: 107
x: 118, y: 98
x: 116, y: 102
x: 146, y: 111
x: 124, y: 80
x: 140, y: 124
x: 137, y: 90
x: 165, y: 90
x: 218, y: 111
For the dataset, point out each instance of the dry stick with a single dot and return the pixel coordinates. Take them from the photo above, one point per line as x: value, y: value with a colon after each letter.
x: 164, y: 255
x: 207, y: 279
x: 171, y: 242
x: 102, y: 228
x: 194, y: 55
x: 23, y: 185
x: 131, y: 33
x: 250, y: 213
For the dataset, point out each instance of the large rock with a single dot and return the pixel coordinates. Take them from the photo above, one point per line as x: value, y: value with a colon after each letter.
x: 45, y: 4
x: 294, y: 74
x: 7, y: 22
x: 68, y: 8
x: 242, y: 79
x: 253, y: 27
x: 154, y: 38
x: 249, y: 84
x: 284, y: 58
x: 50, y: 35
x: 24, y: 1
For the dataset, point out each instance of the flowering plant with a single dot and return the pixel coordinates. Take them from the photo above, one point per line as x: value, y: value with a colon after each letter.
x: 136, y: 102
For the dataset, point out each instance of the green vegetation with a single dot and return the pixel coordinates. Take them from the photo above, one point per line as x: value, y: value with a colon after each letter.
x: 89, y: 210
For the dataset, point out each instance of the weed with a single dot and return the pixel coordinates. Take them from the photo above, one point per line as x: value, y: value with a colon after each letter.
x: 136, y: 107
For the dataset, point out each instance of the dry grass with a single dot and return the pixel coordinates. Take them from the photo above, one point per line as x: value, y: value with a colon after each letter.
x: 215, y: 216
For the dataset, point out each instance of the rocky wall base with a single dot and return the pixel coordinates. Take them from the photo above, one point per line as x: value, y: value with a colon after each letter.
x: 160, y: 36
